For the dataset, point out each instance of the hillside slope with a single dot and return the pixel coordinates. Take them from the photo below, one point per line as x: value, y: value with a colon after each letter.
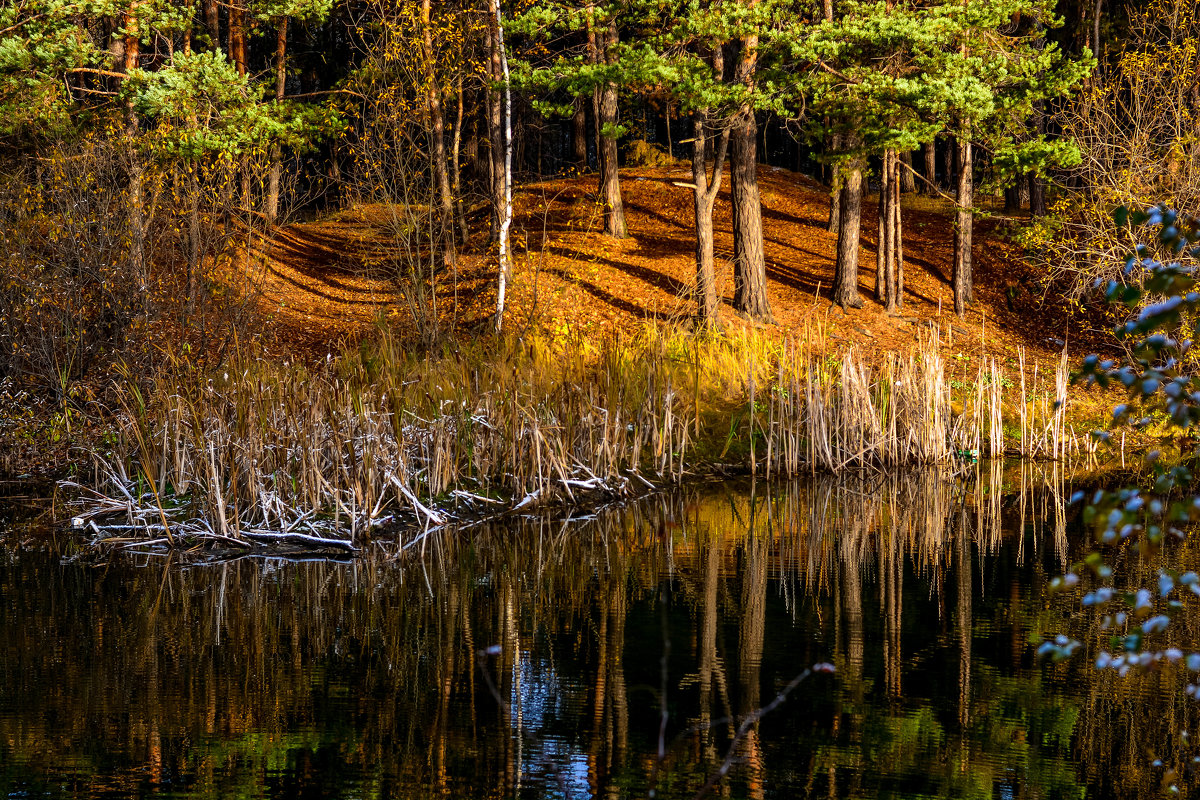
x: 327, y: 281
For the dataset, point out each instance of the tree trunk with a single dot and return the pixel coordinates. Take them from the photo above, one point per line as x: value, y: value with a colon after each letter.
x: 888, y: 270
x: 506, y: 166
x: 610, y: 181
x: 930, y: 151
x: 883, y: 228
x: 191, y: 23
x: 1083, y: 31
x: 1037, y: 186
x: 889, y: 251
x: 281, y: 34
x: 908, y: 183
x: 495, y: 125
x: 948, y: 171
x: 237, y: 36
x: 1195, y: 91
x: 456, y: 164
x: 845, y: 275
x: 473, y: 123
x: 895, y: 239
x: 579, y: 143
x: 764, y: 147
x: 963, y: 285
x: 704, y: 197
x: 1012, y: 199
x: 893, y: 195
x: 212, y: 21
x: 136, y: 210
x: 439, y: 166
x: 749, y: 263
x: 898, y: 250
x: 194, y: 264
x: 670, y: 141
x: 593, y: 55
x: 1037, y: 196
x: 237, y: 54
x: 706, y: 282
x: 540, y: 139
x: 276, y: 173
x: 335, y: 174
x: 518, y: 138
x: 835, y: 183
x: 835, y: 144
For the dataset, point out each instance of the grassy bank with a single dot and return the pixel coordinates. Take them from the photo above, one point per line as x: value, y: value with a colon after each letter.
x: 381, y: 438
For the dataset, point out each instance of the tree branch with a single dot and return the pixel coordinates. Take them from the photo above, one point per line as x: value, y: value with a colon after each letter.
x: 836, y: 73
x: 309, y: 95
x: 929, y: 183
x: 104, y: 73
x: 23, y: 23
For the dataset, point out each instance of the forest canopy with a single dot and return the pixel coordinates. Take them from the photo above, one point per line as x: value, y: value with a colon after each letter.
x: 143, y: 143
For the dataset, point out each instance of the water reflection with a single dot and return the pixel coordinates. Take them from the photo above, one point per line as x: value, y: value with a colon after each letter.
x: 532, y: 660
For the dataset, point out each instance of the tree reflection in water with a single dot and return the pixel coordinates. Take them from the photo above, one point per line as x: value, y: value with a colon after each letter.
x: 259, y: 677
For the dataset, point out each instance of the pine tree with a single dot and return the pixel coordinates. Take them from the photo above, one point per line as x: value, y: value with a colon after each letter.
x: 576, y: 53
x: 891, y: 75
x: 708, y: 60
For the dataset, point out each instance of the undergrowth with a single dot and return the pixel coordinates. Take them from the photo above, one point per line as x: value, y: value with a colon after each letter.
x: 382, y: 434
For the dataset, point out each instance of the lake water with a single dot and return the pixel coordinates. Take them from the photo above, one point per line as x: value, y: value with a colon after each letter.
x: 616, y: 656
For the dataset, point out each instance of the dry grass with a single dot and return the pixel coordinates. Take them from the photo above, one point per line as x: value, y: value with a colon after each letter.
x: 268, y: 452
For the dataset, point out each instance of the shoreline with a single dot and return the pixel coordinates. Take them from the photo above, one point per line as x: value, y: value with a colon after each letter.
x: 382, y: 435
x: 982, y: 483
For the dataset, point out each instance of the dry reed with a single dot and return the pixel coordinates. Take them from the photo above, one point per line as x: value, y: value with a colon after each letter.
x: 266, y: 453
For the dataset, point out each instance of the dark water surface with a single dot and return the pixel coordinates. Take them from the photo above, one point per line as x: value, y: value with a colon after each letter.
x: 528, y: 660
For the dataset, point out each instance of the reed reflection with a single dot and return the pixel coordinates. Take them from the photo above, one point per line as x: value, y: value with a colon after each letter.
x: 526, y: 660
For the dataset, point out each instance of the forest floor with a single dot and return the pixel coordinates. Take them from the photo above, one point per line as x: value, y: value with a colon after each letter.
x: 326, y: 283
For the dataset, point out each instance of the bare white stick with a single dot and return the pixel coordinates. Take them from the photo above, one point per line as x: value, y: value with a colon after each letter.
x: 299, y: 539
x: 432, y: 516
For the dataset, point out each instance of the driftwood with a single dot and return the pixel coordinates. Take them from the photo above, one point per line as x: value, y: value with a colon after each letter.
x: 128, y: 519
x: 299, y: 539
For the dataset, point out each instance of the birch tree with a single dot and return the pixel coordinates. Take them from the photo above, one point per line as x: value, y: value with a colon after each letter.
x: 506, y: 209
